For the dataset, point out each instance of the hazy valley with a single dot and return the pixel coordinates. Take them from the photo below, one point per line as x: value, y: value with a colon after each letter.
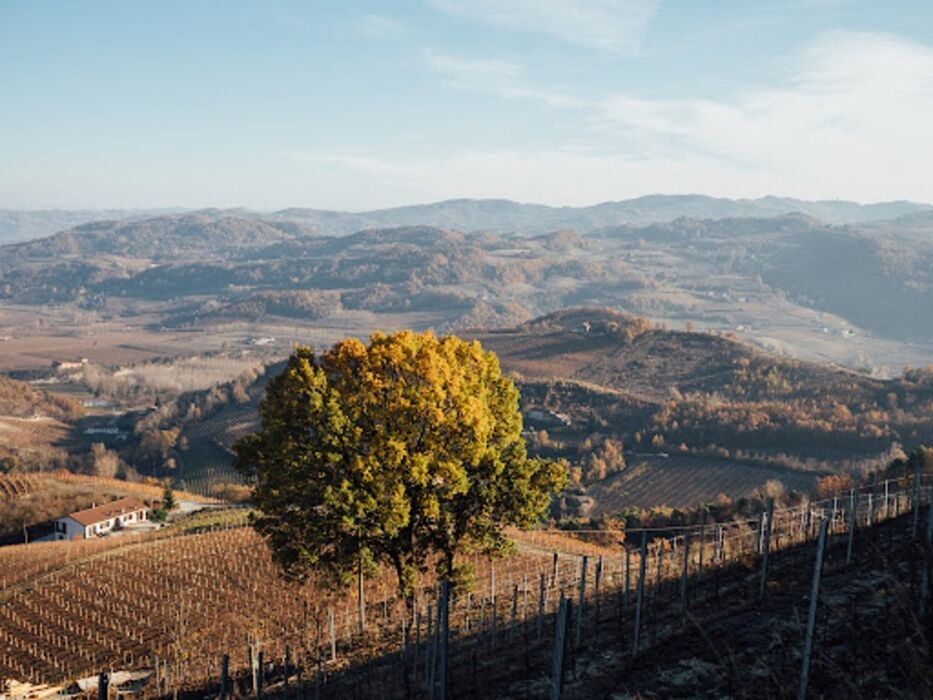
x: 748, y: 355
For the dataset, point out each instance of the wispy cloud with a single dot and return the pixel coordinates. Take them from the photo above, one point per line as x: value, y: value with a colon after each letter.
x: 381, y: 27
x: 848, y: 117
x: 494, y: 76
x: 601, y: 24
x: 850, y: 102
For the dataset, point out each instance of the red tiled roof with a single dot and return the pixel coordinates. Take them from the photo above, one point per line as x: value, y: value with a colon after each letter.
x: 107, y: 511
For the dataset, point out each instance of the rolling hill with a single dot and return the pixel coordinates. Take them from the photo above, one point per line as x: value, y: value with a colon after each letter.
x: 500, y: 215
x: 697, y: 414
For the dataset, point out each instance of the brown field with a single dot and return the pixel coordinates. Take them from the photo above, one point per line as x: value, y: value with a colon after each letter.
x: 34, y: 337
x: 681, y: 481
x: 31, y: 432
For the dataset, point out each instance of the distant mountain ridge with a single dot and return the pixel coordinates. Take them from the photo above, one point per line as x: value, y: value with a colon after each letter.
x: 506, y: 216
x: 27, y: 225
x: 499, y: 215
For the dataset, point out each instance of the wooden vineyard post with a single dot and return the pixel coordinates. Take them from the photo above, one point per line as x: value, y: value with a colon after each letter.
x: 443, y: 613
x: 870, y: 516
x: 260, y: 676
x: 683, y: 574
x: 832, y: 519
x: 924, y: 583
x: 930, y: 516
x: 581, y: 602
x: 318, y: 679
x: 224, y: 676
x: 492, y: 598
x: 524, y: 600
x: 554, y: 570
x: 287, y: 670
x: 403, y: 642
x: 599, y: 576
x: 331, y: 635
x: 657, y: 579
x: 428, y: 643
x: 560, y: 644
x: 513, y: 622
x: 915, y: 501
x: 887, y: 506
x: 853, y: 522
x: 414, y: 663
x: 702, y: 543
x: 468, y: 612
x: 766, y: 547
x: 360, y: 600
x: 640, y: 592
x: 542, y: 605
x: 811, y: 615
x: 299, y: 684
x: 759, y: 532
x: 628, y: 560
x: 253, y: 674
x: 103, y: 685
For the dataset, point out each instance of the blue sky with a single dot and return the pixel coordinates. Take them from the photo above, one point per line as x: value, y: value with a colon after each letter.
x: 356, y: 105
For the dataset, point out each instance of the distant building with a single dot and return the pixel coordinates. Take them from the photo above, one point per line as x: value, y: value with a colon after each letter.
x: 101, y: 520
x: 63, y: 365
x: 545, y: 417
x: 264, y: 340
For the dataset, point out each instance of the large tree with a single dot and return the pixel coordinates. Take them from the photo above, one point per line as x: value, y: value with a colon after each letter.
x: 406, y: 451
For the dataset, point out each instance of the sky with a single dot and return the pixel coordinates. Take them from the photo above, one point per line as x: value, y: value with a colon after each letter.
x: 360, y: 105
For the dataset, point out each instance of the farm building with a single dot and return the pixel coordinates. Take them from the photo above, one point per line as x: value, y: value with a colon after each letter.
x: 101, y: 520
x: 62, y: 365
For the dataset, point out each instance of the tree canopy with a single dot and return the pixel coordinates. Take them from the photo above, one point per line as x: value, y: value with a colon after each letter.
x: 405, y: 451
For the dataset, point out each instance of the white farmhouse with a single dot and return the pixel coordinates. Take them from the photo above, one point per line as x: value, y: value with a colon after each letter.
x: 101, y: 520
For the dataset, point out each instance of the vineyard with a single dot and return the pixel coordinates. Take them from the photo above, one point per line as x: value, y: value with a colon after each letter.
x: 187, y: 599
x: 680, y: 481
x: 15, y: 485
x: 31, y: 433
x: 180, y: 602
x: 207, y: 462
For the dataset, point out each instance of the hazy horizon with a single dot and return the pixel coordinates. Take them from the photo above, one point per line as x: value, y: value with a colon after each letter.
x: 426, y: 203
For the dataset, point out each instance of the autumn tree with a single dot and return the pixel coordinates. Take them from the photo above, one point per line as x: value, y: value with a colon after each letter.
x: 404, y: 452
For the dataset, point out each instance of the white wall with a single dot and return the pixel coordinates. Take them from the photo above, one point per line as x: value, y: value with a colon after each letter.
x: 68, y: 528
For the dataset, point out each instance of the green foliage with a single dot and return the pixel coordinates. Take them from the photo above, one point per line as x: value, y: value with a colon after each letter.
x: 392, y: 452
x: 159, y: 515
x: 168, y: 498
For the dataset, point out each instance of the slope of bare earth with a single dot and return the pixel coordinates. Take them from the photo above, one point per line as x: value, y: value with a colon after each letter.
x: 870, y: 641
